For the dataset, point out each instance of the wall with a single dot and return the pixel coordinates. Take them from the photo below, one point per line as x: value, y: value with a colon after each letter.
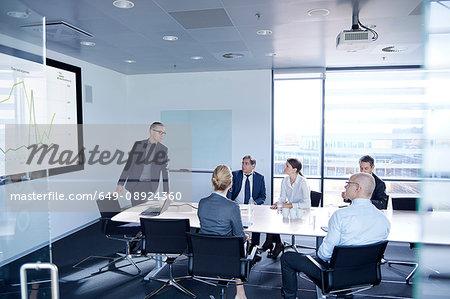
x: 246, y: 93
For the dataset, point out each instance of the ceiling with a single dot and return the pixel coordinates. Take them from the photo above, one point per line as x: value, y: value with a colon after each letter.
x: 211, y: 28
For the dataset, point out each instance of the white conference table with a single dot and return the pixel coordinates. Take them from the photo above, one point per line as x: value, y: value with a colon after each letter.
x: 406, y: 226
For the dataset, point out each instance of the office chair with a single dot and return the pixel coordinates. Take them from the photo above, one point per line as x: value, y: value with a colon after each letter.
x: 405, y: 204
x: 115, y: 230
x: 316, y: 200
x: 168, y: 237
x: 351, y: 269
x: 218, y: 260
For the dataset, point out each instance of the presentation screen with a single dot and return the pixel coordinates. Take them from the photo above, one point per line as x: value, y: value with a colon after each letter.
x: 40, y: 113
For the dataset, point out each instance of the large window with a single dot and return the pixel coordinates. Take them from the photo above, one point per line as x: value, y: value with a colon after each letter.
x: 379, y: 113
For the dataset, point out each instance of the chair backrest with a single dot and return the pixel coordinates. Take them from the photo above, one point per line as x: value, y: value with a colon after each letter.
x: 164, y: 235
x: 316, y: 198
x: 108, y: 208
x: 404, y: 203
x: 353, y: 266
x: 216, y: 256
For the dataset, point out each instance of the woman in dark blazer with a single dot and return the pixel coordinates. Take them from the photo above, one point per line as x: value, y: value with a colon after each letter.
x: 220, y: 216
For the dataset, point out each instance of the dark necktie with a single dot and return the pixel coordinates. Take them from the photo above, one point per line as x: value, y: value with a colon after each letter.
x: 247, y: 190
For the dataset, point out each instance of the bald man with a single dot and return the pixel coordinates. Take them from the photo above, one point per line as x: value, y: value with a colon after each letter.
x: 361, y: 223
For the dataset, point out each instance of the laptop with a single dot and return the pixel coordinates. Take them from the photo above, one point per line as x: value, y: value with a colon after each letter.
x: 156, y: 211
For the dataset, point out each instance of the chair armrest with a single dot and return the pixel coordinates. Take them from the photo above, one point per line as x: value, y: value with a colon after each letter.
x: 252, y: 254
x: 321, y: 267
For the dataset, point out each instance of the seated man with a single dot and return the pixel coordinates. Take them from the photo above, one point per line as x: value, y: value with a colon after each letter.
x: 247, y: 185
x: 360, y: 223
x: 379, y: 197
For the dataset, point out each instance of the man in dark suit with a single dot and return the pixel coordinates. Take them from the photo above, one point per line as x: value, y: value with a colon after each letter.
x: 147, y: 161
x: 379, y: 197
x: 248, y: 188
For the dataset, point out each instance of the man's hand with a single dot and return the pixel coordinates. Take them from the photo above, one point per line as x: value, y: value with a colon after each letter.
x: 344, y: 195
x: 274, y: 206
x: 287, y: 205
x: 247, y: 237
x: 119, y: 189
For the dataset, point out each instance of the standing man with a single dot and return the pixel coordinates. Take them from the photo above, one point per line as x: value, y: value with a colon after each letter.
x: 247, y: 185
x: 379, y: 197
x: 147, y: 160
x: 361, y: 223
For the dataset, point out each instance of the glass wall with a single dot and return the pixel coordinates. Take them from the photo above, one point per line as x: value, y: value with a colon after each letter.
x: 370, y: 112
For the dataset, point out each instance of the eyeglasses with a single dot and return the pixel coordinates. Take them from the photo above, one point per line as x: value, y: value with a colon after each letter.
x: 348, y: 183
x: 160, y: 132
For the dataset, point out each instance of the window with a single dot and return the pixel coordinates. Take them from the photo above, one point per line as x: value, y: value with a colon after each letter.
x: 376, y: 112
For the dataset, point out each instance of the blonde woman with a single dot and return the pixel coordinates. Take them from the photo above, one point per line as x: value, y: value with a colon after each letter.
x: 220, y: 216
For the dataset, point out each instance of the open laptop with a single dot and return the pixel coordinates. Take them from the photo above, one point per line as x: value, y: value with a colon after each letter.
x: 156, y: 211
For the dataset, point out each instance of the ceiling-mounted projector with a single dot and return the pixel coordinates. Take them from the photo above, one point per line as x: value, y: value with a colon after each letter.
x: 354, y: 40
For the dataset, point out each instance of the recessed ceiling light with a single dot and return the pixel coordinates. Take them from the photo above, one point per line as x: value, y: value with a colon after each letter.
x: 130, y: 61
x: 271, y: 54
x: 197, y: 57
x: 18, y: 14
x: 123, y: 4
x: 264, y: 32
x: 170, y: 38
x: 318, y: 12
x: 86, y: 43
x: 232, y: 55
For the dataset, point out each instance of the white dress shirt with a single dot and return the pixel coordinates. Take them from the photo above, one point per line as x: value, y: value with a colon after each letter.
x: 241, y: 196
x: 360, y: 223
x: 298, y: 194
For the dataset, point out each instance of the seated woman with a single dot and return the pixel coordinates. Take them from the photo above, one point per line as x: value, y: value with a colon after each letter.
x: 295, y: 193
x: 220, y: 216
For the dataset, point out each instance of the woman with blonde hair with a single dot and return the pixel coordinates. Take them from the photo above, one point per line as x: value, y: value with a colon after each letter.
x: 220, y: 216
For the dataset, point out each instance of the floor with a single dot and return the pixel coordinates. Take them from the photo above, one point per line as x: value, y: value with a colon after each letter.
x: 85, y: 282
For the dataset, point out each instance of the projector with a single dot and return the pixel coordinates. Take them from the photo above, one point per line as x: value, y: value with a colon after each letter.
x: 353, y: 40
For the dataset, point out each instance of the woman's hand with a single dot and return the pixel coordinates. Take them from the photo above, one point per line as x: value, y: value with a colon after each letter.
x: 274, y: 206
x: 287, y: 205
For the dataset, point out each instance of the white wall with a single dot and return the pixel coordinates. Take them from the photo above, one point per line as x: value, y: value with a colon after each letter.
x: 247, y: 93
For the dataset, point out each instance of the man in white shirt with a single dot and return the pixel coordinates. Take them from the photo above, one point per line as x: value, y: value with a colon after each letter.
x: 360, y: 223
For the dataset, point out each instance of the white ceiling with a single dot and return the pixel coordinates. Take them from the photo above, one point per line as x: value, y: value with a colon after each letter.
x: 203, y: 29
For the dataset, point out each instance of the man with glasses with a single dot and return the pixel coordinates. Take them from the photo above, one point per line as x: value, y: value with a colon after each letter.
x: 361, y: 223
x: 379, y: 197
x: 147, y: 161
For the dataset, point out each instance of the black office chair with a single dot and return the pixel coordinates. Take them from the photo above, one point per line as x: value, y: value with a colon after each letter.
x: 405, y: 204
x: 115, y: 230
x: 316, y: 199
x: 168, y: 237
x: 351, y: 269
x: 218, y: 260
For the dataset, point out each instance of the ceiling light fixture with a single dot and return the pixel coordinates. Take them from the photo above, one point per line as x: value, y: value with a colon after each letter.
x: 264, y: 32
x: 197, y: 57
x: 87, y: 43
x: 271, y: 54
x: 170, y: 38
x: 18, y: 14
x: 123, y: 4
x: 232, y: 55
x: 318, y: 12
x: 129, y: 61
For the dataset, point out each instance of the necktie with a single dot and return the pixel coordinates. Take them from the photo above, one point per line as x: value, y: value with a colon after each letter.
x: 247, y: 190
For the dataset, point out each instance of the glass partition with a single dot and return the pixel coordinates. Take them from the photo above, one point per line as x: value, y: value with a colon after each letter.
x: 24, y: 223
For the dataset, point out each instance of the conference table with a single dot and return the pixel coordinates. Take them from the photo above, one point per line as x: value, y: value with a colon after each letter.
x: 406, y: 226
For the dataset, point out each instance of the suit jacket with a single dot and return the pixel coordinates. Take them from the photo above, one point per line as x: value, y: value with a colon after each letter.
x: 220, y: 216
x: 258, y: 190
x: 379, y: 197
x: 135, y: 164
